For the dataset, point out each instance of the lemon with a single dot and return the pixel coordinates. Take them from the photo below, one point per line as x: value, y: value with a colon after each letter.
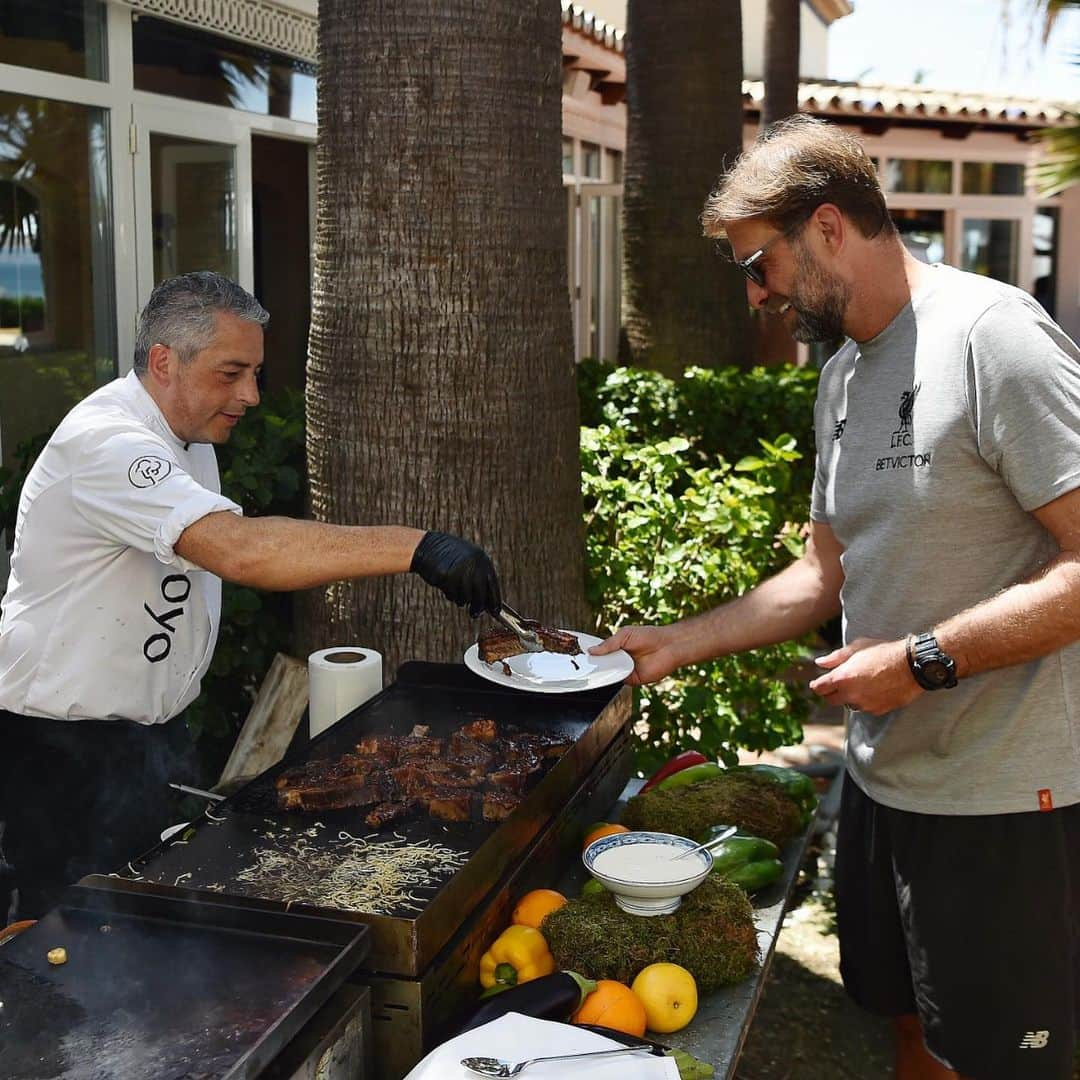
x: 669, y: 995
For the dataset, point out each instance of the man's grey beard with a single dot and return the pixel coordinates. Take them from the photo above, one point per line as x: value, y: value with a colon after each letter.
x: 820, y: 302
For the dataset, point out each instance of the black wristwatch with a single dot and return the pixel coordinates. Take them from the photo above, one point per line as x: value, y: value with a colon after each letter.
x: 933, y: 669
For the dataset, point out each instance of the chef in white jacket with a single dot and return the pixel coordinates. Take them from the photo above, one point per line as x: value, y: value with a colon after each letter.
x: 112, y: 607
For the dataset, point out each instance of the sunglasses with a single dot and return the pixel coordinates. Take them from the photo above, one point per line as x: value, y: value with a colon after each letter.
x: 749, y: 265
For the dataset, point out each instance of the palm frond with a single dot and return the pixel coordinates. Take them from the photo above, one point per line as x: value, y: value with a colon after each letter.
x: 1049, y: 10
x: 1060, y: 165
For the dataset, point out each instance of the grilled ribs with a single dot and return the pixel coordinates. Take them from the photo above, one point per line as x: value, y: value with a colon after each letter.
x: 378, y: 817
x: 351, y: 780
x: 477, y: 772
x: 383, y: 748
x: 482, y: 730
x: 417, y: 779
x: 499, y: 804
x: 500, y: 644
x: 420, y: 746
x: 450, y: 804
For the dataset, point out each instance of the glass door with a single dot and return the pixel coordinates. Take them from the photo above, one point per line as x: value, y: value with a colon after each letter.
x: 594, y: 218
x: 192, y: 196
x: 991, y: 246
x: 57, y: 322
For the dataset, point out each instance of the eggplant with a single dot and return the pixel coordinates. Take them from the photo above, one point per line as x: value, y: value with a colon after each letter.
x: 551, y: 997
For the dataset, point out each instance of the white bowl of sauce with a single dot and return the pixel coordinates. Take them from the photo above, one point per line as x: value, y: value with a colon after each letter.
x: 639, y: 868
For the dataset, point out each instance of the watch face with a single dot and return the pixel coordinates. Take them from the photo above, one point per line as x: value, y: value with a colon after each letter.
x: 935, y: 671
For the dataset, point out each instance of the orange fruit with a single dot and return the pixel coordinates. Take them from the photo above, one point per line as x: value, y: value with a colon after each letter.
x: 613, y: 1005
x: 669, y: 995
x: 535, y: 906
x: 602, y: 828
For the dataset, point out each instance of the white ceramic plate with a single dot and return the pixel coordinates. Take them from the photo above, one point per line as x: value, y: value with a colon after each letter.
x: 553, y: 673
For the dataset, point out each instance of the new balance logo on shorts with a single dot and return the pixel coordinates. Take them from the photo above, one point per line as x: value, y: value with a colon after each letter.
x: 1034, y: 1040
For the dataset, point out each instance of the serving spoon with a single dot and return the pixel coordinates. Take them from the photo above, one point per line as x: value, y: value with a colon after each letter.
x: 486, y: 1066
x: 711, y: 842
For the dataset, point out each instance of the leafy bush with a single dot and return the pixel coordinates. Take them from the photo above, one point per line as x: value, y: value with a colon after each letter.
x: 673, y: 528
x: 11, y: 482
x: 722, y: 411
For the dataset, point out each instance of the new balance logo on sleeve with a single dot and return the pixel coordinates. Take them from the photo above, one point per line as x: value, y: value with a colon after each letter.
x: 1034, y: 1040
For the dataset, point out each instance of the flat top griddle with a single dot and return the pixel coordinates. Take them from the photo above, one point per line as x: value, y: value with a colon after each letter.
x: 333, y: 862
x: 163, y: 987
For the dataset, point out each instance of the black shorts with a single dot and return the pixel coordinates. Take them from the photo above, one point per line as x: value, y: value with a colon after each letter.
x: 970, y: 921
x: 80, y: 797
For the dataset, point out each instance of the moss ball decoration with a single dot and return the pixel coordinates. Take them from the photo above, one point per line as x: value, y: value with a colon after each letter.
x: 756, y: 804
x: 711, y: 934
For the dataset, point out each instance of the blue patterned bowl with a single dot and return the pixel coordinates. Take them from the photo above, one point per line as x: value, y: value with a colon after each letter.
x: 637, y: 868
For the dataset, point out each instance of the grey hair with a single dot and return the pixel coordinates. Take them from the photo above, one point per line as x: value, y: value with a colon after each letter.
x: 182, y: 312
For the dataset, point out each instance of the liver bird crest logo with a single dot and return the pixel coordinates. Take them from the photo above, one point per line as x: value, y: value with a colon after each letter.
x: 907, y: 407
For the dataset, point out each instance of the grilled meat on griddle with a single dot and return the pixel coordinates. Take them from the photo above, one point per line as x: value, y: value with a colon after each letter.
x: 467, y: 751
x: 500, y: 644
x: 513, y: 777
x: 482, y: 730
x: 415, y: 779
x: 450, y: 804
x: 378, y: 817
x: 499, y: 804
x: 476, y: 772
x: 383, y: 748
x: 351, y: 780
x: 420, y: 746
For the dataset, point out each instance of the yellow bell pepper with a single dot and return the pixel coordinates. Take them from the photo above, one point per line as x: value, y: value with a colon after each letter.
x: 517, y: 955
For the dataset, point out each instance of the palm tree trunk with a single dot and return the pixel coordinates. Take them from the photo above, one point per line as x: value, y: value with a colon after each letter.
x: 684, y: 304
x: 782, y: 44
x: 441, y: 386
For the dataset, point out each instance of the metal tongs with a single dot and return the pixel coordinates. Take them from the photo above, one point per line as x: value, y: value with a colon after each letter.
x: 530, y: 640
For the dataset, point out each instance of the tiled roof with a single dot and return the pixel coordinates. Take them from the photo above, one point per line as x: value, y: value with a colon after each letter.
x: 830, y: 98
x: 919, y: 103
x: 576, y: 17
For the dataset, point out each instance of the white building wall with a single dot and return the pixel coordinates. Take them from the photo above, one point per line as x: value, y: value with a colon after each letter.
x: 813, y: 45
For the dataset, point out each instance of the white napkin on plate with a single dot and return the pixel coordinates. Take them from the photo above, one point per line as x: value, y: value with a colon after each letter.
x: 514, y: 1038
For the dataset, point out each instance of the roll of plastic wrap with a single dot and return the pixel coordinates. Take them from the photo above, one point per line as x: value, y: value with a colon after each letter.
x: 339, y: 680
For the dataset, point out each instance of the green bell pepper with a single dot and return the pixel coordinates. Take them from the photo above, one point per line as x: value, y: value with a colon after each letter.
x: 738, y: 850
x: 756, y: 875
x: 797, y: 786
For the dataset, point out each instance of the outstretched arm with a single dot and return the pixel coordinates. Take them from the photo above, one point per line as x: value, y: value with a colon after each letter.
x: 794, y: 602
x: 286, y: 553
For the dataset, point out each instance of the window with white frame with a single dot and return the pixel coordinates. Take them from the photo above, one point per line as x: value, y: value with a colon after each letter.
x: 973, y: 213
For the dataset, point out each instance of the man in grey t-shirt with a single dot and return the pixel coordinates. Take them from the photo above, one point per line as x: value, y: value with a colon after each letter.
x: 945, y: 527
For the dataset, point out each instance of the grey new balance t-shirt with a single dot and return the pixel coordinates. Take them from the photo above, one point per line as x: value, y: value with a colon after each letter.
x: 935, y: 441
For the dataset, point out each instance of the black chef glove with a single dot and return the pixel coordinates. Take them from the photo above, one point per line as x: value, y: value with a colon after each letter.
x: 460, y: 569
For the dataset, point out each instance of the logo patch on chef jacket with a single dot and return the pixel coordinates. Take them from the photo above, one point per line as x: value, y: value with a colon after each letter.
x: 148, y: 470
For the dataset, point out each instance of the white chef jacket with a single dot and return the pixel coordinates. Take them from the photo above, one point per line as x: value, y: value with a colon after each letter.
x: 102, y: 619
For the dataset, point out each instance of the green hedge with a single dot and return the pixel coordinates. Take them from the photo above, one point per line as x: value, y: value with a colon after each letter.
x: 687, y: 505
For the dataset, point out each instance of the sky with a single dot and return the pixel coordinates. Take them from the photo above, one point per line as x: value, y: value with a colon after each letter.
x: 957, y: 45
